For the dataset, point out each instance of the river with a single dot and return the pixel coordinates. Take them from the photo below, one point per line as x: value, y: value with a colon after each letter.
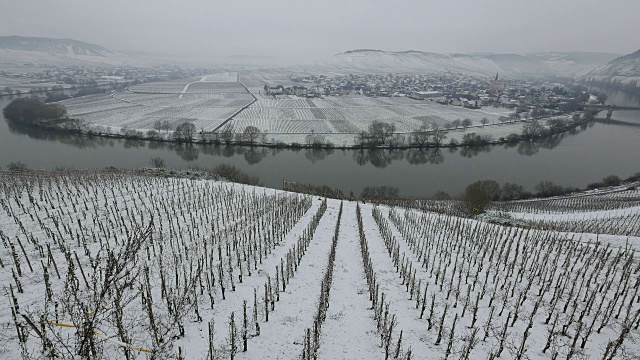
x: 590, y: 153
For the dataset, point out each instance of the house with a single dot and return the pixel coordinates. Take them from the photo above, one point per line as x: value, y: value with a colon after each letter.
x: 429, y: 94
x: 274, y: 89
x: 471, y: 104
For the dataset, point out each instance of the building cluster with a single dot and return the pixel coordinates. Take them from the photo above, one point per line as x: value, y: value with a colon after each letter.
x: 447, y: 88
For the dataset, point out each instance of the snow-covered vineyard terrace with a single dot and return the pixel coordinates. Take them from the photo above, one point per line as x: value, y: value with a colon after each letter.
x: 114, y: 265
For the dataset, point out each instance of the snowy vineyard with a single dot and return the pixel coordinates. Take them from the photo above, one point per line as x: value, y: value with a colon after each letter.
x: 206, y: 102
x: 209, y: 101
x: 613, y: 212
x: 115, y: 265
x: 352, y: 114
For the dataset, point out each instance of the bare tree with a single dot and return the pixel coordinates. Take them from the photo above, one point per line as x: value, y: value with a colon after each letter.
x: 227, y: 134
x: 185, y: 132
x: 157, y: 162
x: 162, y: 125
x: 438, y: 135
x: 251, y: 134
x: 381, y: 132
x: 421, y: 137
x: 532, y: 130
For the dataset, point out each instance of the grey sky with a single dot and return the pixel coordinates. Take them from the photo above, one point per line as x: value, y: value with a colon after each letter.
x: 304, y: 31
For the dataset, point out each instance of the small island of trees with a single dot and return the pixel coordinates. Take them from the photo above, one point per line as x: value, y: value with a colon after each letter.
x: 33, y: 111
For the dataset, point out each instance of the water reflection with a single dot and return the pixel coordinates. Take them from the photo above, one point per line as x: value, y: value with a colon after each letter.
x: 425, y: 156
x: 187, y: 152
x: 379, y: 158
x: 618, y: 122
x: 314, y: 155
x: 473, y: 151
x: 78, y: 141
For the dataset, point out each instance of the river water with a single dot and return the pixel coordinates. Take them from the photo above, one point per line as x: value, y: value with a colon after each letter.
x: 590, y: 153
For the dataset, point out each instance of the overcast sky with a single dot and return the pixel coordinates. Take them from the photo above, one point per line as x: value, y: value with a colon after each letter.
x: 305, y: 31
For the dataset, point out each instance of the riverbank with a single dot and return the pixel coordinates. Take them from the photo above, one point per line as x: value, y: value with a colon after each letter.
x: 477, y: 135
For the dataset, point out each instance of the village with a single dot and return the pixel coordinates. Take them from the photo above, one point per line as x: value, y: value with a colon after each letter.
x: 539, y: 97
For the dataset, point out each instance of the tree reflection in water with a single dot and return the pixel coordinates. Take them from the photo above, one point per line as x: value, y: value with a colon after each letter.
x: 317, y: 154
x: 425, y: 156
x: 471, y: 151
x: 380, y: 158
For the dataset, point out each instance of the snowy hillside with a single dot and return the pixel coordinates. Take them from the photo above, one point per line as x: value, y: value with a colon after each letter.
x: 53, y: 46
x: 18, y: 51
x: 627, y: 66
x: 110, y: 265
x: 54, y: 51
x: 512, y: 65
x: 377, y: 61
x: 572, y: 63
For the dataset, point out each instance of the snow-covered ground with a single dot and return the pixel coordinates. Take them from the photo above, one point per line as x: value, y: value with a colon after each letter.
x: 205, y: 102
x: 611, y: 211
x: 163, y: 264
x: 209, y: 101
x: 352, y: 114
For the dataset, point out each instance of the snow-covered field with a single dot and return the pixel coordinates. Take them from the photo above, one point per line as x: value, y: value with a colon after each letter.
x: 352, y: 114
x: 114, y: 265
x: 209, y: 101
x: 205, y: 102
x: 614, y: 211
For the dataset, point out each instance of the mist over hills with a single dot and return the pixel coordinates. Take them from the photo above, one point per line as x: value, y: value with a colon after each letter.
x: 18, y: 50
x: 53, y: 46
x: 512, y: 65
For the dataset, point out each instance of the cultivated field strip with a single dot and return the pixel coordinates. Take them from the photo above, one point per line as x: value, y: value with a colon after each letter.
x: 283, y: 335
x: 625, y: 222
x: 621, y: 198
x: 395, y: 298
x: 349, y: 330
x: 614, y: 212
x: 255, y: 276
x: 206, y: 102
x: 351, y: 114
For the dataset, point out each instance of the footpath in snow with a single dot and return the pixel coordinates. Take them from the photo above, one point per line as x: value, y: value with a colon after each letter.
x: 349, y: 331
x: 414, y: 329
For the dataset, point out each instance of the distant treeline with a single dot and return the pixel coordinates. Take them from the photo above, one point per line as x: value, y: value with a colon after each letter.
x: 54, y: 96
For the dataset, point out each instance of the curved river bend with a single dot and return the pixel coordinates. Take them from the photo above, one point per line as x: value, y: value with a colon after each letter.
x: 587, y: 155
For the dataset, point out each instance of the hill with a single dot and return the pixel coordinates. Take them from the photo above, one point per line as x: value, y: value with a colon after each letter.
x: 19, y: 51
x: 572, y: 63
x: 52, y: 46
x: 512, y: 65
x: 625, y: 67
x: 378, y: 61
